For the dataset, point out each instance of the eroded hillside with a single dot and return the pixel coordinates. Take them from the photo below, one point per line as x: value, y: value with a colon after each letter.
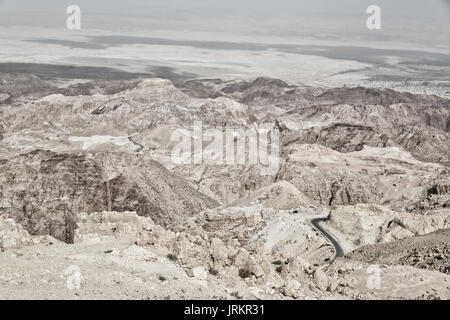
x: 88, y: 175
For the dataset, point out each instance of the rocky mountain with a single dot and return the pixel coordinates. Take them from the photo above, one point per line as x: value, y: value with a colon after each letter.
x: 88, y: 167
x: 44, y: 190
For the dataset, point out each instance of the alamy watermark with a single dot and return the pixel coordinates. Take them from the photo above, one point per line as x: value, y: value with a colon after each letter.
x: 374, y: 279
x: 73, y: 22
x: 228, y: 146
x: 374, y: 20
x: 73, y: 274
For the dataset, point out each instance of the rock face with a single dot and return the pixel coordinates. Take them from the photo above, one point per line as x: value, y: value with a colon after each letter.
x: 321, y: 280
x: 387, y: 176
x: 431, y: 251
x: 98, y: 225
x: 12, y: 235
x: 345, y: 119
x: 44, y: 191
x: 372, y: 224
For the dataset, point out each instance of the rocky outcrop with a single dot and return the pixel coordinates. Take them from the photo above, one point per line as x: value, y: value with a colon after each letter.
x: 388, y: 176
x: 370, y: 224
x: 439, y: 189
x: 430, y: 251
x: 12, y: 235
x: 44, y: 190
x: 100, y: 225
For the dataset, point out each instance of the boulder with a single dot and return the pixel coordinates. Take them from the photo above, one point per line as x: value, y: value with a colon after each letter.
x: 242, y: 258
x: 12, y: 235
x: 200, y: 273
x: 321, y: 279
x: 219, y: 252
x: 292, y: 289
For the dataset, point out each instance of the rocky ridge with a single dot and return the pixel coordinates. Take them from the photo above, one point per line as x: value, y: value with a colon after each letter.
x: 90, y: 165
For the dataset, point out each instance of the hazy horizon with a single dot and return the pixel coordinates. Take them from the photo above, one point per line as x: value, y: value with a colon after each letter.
x: 320, y: 42
x: 403, y: 19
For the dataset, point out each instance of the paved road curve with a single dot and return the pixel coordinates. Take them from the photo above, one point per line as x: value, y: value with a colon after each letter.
x: 339, y: 252
x: 140, y: 146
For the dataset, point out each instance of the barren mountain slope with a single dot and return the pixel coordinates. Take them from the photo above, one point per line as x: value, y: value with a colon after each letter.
x: 90, y: 163
x: 429, y: 251
x: 44, y: 190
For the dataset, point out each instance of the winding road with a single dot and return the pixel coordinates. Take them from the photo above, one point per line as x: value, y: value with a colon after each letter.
x: 140, y: 146
x: 339, y: 252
